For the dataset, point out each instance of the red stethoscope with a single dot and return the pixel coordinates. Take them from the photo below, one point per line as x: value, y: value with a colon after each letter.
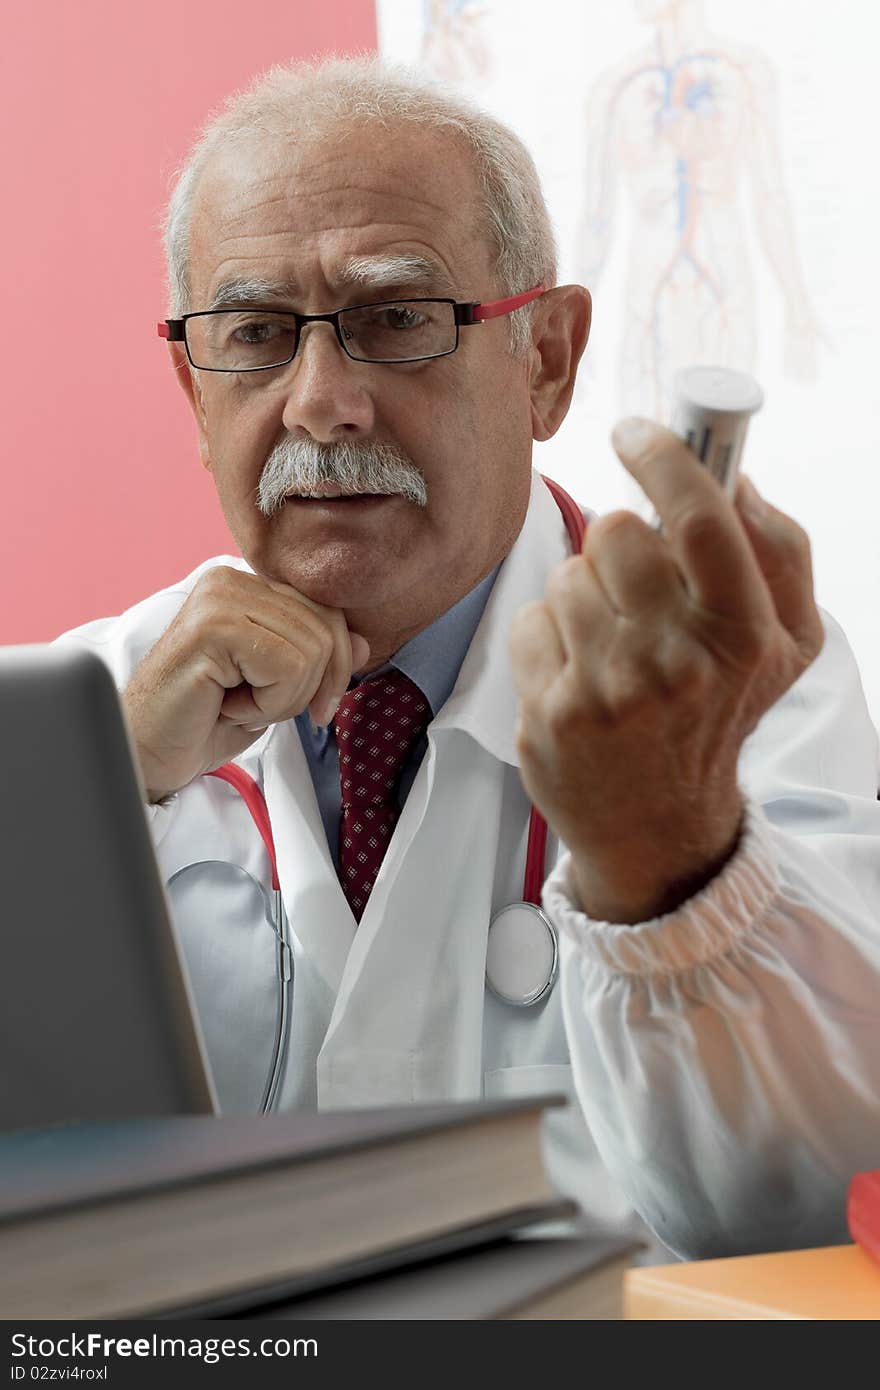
x: 522, y: 955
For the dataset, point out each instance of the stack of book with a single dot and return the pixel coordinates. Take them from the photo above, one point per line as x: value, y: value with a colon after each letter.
x: 419, y: 1211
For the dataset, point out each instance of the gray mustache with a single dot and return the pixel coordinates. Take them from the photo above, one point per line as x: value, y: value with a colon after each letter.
x: 302, y: 465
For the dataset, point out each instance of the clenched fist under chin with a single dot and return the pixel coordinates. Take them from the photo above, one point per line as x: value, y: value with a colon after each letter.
x: 243, y: 652
x: 650, y: 659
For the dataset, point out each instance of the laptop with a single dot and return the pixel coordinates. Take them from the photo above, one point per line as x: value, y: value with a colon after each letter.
x: 96, y: 1017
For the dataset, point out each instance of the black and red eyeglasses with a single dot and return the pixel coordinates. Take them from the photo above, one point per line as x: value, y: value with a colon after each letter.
x: 394, y: 330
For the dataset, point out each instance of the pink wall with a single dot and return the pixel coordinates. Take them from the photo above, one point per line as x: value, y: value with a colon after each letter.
x: 103, y: 496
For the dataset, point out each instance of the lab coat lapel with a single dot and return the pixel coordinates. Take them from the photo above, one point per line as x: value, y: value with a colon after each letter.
x: 407, y: 1022
x: 408, y: 1018
x: 483, y: 702
x: 319, y: 916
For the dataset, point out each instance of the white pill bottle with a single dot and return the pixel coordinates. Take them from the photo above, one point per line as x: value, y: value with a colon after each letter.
x: 711, y: 408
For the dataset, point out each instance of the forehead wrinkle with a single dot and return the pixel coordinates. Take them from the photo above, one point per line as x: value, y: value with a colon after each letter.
x: 239, y: 246
x: 322, y: 168
x: 245, y: 221
x: 240, y: 196
x: 432, y: 167
x: 234, y: 201
x: 349, y: 196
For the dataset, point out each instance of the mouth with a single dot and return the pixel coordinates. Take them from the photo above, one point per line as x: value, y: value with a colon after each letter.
x: 329, y: 492
x: 335, y: 499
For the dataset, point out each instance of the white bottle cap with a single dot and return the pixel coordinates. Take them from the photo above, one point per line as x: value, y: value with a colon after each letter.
x: 711, y: 410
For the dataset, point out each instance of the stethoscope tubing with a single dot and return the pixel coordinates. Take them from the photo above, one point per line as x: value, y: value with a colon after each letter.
x: 252, y: 796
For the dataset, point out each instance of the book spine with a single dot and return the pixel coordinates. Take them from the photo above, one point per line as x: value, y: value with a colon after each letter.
x: 863, y: 1211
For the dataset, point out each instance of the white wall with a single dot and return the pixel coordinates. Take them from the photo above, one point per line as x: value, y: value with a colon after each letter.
x: 815, y: 447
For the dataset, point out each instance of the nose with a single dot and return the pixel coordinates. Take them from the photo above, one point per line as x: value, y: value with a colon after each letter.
x: 327, y: 395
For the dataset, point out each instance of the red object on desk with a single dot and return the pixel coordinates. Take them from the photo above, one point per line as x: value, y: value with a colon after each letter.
x: 863, y: 1211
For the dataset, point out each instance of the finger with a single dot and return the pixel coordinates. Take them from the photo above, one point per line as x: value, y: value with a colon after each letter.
x: 325, y: 703
x: 579, y: 607
x: 278, y: 606
x: 282, y: 645
x: 782, y: 550
x: 700, y: 526
x: 349, y: 653
x: 229, y: 604
x: 322, y: 654
x: 536, y: 651
x: 287, y: 591
x: 633, y: 564
x: 335, y: 679
x: 320, y: 632
x: 279, y: 677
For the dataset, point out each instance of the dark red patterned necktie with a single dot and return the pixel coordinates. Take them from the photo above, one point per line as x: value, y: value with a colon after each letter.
x: 376, y: 726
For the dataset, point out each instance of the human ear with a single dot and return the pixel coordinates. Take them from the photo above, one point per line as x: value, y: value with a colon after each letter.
x: 189, y: 384
x: 560, y: 331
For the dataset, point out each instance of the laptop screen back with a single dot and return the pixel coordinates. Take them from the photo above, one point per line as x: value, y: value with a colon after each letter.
x: 96, y: 1020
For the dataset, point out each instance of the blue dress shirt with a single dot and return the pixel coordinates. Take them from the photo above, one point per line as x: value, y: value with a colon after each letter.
x: 433, y: 660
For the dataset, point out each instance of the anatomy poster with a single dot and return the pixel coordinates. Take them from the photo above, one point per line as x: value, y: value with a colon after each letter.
x: 708, y: 167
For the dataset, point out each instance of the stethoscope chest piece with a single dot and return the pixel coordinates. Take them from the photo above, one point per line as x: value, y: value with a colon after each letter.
x: 522, y: 955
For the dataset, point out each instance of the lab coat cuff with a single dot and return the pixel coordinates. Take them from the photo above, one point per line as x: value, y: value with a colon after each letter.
x: 701, y: 929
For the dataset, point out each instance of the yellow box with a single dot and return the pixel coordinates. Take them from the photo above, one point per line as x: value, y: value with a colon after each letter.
x: 834, y: 1282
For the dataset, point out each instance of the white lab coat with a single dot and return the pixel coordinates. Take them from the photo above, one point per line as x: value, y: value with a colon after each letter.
x: 725, y: 1059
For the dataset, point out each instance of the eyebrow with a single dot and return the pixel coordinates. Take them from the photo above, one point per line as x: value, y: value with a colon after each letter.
x: 398, y: 272
x: 250, y: 290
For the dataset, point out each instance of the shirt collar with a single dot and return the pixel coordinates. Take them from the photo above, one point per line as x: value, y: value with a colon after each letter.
x: 433, y: 657
x: 484, y: 701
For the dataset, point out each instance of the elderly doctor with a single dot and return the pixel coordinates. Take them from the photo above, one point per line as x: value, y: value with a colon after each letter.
x: 410, y: 614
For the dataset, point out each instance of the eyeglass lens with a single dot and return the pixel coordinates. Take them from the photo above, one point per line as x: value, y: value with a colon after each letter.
x: 241, y: 340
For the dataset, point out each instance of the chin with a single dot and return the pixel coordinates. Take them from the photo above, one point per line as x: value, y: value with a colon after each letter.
x: 336, y: 574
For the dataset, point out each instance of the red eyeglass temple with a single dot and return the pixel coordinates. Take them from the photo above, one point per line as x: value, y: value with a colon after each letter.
x: 495, y: 307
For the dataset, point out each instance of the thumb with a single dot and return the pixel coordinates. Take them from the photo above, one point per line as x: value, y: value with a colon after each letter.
x: 360, y: 651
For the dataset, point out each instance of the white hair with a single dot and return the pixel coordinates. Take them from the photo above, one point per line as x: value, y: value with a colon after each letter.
x: 302, y: 100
